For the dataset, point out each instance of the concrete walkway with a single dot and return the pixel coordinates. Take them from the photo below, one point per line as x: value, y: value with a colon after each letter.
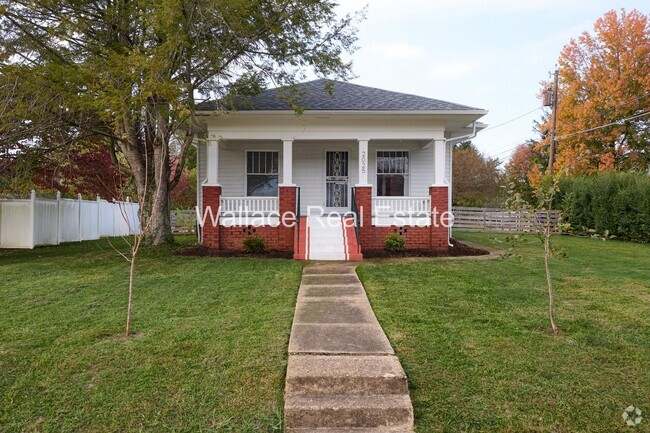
x: 343, y: 375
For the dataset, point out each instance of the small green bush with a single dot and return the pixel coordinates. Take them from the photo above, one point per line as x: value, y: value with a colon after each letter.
x: 254, y: 244
x: 395, y: 243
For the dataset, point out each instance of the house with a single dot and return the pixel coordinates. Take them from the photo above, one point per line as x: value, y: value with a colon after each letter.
x: 357, y: 165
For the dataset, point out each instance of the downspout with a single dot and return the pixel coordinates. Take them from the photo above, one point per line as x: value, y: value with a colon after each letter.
x: 199, y: 192
x: 451, y: 169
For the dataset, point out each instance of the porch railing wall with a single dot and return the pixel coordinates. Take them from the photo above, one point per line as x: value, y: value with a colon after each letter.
x: 249, y: 205
x: 401, y: 205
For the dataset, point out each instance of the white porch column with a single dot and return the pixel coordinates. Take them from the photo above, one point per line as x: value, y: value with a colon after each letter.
x: 439, y: 162
x: 287, y: 162
x: 213, y: 163
x: 363, y: 163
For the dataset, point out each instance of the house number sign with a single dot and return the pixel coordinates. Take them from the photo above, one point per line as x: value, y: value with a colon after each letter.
x: 363, y: 162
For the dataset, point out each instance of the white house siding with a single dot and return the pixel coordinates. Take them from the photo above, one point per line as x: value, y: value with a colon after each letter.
x: 450, y: 148
x: 421, y: 161
x: 232, y: 164
x: 202, y: 171
x: 309, y: 169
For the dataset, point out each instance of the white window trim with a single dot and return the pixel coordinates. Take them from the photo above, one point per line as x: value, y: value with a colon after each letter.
x: 407, y: 185
x: 246, y: 173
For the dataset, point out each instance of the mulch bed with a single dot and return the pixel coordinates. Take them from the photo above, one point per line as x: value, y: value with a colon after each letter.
x: 458, y: 250
x: 199, y: 251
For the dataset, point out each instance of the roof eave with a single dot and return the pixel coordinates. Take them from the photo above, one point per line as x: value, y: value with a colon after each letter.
x: 475, y: 112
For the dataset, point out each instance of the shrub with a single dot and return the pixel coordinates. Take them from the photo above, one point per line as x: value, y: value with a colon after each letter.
x: 254, y: 244
x: 395, y: 243
x: 617, y: 204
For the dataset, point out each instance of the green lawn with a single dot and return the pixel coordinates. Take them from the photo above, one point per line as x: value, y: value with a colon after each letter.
x: 212, y: 334
x: 209, y: 354
x: 472, y: 336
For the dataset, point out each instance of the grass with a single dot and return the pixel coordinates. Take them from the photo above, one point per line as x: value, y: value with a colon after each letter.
x: 473, y: 337
x: 209, y: 352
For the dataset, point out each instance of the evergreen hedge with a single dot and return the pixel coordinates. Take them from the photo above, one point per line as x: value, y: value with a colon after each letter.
x: 617, y: 203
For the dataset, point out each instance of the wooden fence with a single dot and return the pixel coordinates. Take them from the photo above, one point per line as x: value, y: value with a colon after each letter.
x: 501, y: 220
x: 183, y: 221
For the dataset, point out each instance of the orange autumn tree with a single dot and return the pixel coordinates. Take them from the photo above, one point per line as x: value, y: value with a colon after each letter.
x: 523, y: 169
x: 605, y: 77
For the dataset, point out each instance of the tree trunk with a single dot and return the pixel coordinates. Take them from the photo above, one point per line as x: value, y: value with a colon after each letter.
x: 547, y: 256
x: 154, y: 219
x: 151, y: 174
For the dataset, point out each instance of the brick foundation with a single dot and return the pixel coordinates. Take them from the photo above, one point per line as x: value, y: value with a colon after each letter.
x: 280, y: 238
x: 284, y: 238
x: 275, y: 237
x: 435, y: 236
x: 440, y: 214
x: 210, y: 233
x: 287, y: 235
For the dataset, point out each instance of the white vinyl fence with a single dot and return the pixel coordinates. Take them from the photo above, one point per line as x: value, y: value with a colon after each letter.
x: 37, y: 221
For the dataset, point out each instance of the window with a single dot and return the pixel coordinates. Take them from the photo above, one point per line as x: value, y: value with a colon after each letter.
x: 262, y: 174
x: 393, y: 171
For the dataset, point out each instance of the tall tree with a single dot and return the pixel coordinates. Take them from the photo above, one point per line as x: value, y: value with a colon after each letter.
x: 525, y: 167
x: 605, y: 77
x: 81, y: 168
x: 128, y: 71
x: 475, y: 177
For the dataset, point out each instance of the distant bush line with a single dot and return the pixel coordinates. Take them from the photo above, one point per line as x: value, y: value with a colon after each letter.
x: 617, y: 204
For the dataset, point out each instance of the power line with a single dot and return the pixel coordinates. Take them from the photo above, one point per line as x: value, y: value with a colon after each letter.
x: 616, y: 122
x: 512, y: 120
x: 610, y: 109
x: 623, y: 104
x: 511, y: 147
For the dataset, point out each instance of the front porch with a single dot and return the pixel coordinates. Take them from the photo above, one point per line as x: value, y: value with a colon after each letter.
x: 269, y: 188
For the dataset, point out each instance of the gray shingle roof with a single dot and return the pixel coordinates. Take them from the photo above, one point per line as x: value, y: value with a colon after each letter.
x: 314, y: 95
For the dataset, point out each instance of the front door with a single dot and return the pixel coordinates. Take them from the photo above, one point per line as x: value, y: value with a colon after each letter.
x: 337, y: 180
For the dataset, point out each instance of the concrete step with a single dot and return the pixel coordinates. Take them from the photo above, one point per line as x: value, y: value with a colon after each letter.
x: 350, y: 375
x: 331, y: 310
x: 339, y: 339
x: 341, y: 411
x: 335, y: 292
x: 349, y: 430
x: 328, y: 270
x: 330, y: 279
x: 328, y: 255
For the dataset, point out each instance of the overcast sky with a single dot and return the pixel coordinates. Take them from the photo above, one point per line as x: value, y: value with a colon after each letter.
x: 489, y: 54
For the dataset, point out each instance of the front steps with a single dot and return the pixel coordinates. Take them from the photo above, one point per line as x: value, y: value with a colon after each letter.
x: 343, y: 411
x: 328, y: 237
x: 342, y: 374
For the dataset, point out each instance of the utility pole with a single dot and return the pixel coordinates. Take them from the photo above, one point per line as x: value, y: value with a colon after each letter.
x: 551, y: 153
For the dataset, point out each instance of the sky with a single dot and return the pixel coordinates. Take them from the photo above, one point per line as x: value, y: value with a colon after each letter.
x: 489, y: 54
